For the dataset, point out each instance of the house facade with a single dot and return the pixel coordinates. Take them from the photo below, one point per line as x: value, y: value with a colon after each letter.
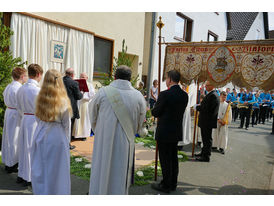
x: 186, y: 27
x: 203, y: 26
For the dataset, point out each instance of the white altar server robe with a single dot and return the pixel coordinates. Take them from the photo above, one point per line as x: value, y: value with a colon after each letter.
x: 187, y: 134
x: 11, y: 128
x: 82, y: 126
x: 220, y: 134
x: 110, y: 157
x: 26, y: 97
x: 50, y: 166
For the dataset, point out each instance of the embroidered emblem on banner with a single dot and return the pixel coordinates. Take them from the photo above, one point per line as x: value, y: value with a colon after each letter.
x: 257, y: 68
x: 221, y: 64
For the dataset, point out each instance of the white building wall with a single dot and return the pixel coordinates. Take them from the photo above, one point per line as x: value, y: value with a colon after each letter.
x: 114, y: 25
x: 202, y: 22
x: 256, y: 31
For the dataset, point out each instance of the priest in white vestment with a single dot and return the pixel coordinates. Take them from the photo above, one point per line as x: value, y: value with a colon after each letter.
x: 50, y: 166
x: 26, y: 97
x: 12, y: 121
x: 220, y: 134
x: 82, y: 126
x: 187, y: 135
x: 112, y: 158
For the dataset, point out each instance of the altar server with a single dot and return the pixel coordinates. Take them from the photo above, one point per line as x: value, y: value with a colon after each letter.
x: 50, y: 166
x: 220, y: 134
x: 26, y: 97
x: 187, y: 135
x: 12, y: 121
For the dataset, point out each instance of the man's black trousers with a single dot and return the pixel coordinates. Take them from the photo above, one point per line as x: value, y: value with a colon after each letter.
x: 168, y: 154
x: 206, y: 134
x: 255, y: 116
x: 262, y: 114
x: 245, y: 117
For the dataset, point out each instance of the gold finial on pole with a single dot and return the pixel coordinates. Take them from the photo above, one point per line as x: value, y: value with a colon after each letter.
x: 160, y: 24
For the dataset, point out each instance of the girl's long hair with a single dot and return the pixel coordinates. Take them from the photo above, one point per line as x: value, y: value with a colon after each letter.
x: 52, y: 99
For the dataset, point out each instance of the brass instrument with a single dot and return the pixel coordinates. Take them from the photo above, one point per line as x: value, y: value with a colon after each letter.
x: 246, y: 106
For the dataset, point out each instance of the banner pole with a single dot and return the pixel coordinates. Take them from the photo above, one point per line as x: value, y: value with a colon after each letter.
x: 195, y: 121
x: 160, y: 26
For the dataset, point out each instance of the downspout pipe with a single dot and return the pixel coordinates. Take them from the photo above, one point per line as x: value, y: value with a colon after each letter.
x: 150, y: 70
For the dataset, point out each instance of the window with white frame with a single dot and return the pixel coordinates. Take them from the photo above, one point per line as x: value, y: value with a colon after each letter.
x: 183, y: 27
x: 212, y: 36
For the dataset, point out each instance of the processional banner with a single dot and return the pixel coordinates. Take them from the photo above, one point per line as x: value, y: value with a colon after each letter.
x: 244, y: 63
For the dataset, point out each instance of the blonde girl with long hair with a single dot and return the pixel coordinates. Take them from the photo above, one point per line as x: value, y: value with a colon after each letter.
x: 50, y: 170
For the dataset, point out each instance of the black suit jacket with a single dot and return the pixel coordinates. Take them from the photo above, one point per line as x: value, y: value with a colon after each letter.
x: 170, y: 108
x: 209, y: 110
x: 74, y: 94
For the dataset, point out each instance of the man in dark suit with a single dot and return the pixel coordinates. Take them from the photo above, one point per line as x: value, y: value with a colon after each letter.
x: 169, y: 109
x: 207, y: 120
x: 74, y: 94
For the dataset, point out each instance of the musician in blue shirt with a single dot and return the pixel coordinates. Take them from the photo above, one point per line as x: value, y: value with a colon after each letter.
x: 256, y: 109
x: 232, y: 97
x: 264, y: 109
x: 242, y: 91
x: 272, y: 107
x: 246, y: 100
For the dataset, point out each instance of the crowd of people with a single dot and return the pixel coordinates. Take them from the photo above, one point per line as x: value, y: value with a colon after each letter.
x: 41, y: 122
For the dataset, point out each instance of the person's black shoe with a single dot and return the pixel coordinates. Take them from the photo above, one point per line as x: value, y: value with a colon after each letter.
x: 252, y: 125
x: 19, y: 180
x: 160, y: 187
x: 214, y: 149
x: 71, y: 147
x: 272, y: 133
x: 173, y: 188
x: 84, y: 139
x: 180, y: 148
x: 12, y: 169
x: 202, y: 159
x: 246, y: 128
x: 198, y: 155
x: 240, y: 127
x: 222, y: 151
x: 26, y: 184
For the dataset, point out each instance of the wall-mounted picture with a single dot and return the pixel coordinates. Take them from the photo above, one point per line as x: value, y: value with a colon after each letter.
x: 58, y: 51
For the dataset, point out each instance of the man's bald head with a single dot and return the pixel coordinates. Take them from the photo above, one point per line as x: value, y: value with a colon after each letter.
x: 70, y: 72
x: 84, y: 76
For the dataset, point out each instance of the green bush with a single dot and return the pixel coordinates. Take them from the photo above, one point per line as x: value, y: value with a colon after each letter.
x: 122, y: 59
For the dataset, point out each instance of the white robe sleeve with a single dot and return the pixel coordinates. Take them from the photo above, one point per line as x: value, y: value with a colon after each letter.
x: 19, y: 103
x: 65, y: 121
x: 142, y: 115
x: 94, y: 109
x: 89, y: 95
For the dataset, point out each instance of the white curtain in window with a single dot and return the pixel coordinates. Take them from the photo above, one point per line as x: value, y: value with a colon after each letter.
x: 81, y: 52
x: 32, y: 42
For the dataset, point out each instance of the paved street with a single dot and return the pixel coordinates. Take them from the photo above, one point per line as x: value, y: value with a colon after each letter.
x: 246, y: 168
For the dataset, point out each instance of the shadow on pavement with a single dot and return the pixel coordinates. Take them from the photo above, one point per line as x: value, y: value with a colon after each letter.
x: 186, y: 189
